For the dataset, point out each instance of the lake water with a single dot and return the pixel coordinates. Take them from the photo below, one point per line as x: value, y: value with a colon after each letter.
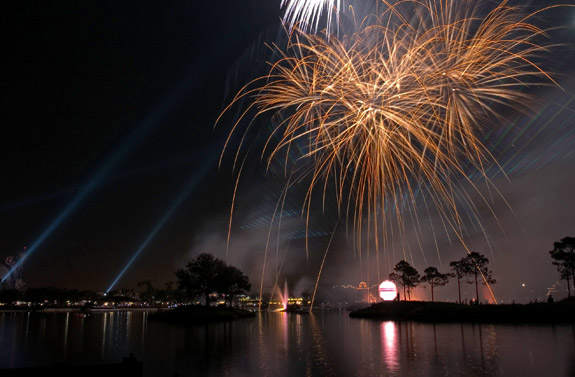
x: 327, y: 343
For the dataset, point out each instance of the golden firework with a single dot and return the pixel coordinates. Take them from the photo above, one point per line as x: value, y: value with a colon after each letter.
x: 400, y: 104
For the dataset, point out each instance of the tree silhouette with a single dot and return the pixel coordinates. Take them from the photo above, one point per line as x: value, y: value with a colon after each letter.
x: 206, y: 274
x: 406, y: 276
x: 563, y: 255
x: 149, y: 295
x: 201, y: 276
x: 477, y: 264
x: 434, y: 278
x: 460, y: 270
x: 234, y: 282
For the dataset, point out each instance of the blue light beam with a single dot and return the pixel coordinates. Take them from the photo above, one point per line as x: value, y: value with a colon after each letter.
x: 196, y: 177
x: 169, y: 102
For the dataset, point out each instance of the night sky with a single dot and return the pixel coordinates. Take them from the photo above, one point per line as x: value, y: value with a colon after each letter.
x: 113, y: 104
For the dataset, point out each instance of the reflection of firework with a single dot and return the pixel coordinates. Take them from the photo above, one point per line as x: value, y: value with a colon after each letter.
x: 307, y: 13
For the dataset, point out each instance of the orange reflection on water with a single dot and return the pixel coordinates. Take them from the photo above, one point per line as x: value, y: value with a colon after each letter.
x: 389, y: 345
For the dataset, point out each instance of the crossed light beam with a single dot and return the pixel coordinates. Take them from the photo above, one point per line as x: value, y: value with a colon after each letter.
x: 196, y: 177
x: 169, y: 102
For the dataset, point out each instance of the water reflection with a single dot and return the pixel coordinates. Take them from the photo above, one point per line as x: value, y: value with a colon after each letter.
x: 66, y: 326
x: 104, y: 335
x: 28, y: 339
x: 281, y: 344
x: 320, y: 353
x: 389, y: 345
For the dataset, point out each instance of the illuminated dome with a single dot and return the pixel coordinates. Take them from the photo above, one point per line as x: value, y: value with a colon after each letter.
x: 387, y: 290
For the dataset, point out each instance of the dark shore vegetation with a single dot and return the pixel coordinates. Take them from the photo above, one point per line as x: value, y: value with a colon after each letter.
x: 557, y: 312
x: 200, y: 315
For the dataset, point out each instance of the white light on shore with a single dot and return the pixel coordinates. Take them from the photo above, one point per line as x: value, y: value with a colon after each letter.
x: 387, y: 290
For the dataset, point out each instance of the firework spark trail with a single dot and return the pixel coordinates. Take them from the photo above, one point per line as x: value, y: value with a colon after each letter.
x: 321, y: 266
x: 306, y: 14
x: 402, y: 100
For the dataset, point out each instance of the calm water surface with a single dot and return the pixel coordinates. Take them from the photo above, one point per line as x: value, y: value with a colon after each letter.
x: 325, y: 343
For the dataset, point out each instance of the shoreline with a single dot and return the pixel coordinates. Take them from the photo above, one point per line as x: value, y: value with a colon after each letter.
x: 78, y: 310
x: 425, y: 311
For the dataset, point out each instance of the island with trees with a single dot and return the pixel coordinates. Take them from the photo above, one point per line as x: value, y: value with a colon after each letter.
x: 207, y: 278
x: 473, y: 269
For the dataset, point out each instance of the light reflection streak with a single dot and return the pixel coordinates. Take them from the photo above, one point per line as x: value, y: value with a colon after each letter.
x: 262, y: 349
x: 436, y: 353
x: 410, y: 341
x: 42, y: 329
x: 365, y: 349
x: 104, y: 327
x: 299, y: 334
x: 81, y: 332
x: 27, y: 325
x: 128, y: 328
x: 389, y: 345
x: 319, y: 350
x: 481, y: 350
x: 464, y: 352
x: 144, y: 330
x: 66, y: 326
x: 285, y: 340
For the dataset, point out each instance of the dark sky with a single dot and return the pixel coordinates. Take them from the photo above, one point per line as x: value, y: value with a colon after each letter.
x: 118, y: 100
x: 83, y: 82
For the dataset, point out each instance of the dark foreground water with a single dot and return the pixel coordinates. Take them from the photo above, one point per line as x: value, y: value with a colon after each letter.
x: 279, y: 344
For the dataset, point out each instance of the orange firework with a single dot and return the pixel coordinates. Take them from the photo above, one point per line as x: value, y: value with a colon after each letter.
x: 398, y: 105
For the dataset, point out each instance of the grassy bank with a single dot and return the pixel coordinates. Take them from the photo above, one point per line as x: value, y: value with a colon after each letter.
x: 559, y: 312
x: 199, y: 315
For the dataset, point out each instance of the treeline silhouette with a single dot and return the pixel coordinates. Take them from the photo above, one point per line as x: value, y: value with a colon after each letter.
x: 472, y: 269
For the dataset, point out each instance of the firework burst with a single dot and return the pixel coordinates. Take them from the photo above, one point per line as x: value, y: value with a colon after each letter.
x: 306, y: 14
x: 399, y: 106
